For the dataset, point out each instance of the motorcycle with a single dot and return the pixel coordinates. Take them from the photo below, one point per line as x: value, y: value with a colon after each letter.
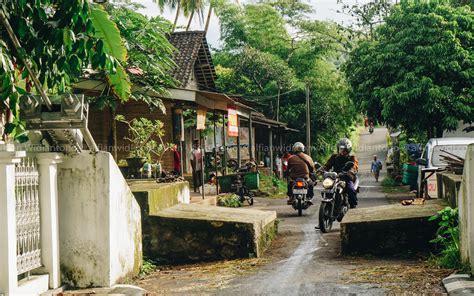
x: 335, y: 202
x: 238, y: 185
x: 371, y: 129
x: 300, y: 200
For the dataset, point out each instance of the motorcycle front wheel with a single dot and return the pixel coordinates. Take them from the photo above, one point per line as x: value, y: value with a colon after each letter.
x: 325, y: 220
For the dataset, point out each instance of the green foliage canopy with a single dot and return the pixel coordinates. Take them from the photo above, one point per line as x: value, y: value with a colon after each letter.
x: 419, y: 73
x: 259, y: 56
x: 150, y: 52
x: 59, y: 39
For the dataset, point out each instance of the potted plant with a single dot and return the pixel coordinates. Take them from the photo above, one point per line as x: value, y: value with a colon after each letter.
x: 143, y: 133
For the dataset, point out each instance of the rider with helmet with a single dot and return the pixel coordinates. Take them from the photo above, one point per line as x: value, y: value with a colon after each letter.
x: 300, y: 165
x: 337, y: 163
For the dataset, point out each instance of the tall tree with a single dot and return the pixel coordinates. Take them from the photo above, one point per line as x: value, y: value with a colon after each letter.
x: 419, y: 74
x: 57, y: 39
x: 260, y: 60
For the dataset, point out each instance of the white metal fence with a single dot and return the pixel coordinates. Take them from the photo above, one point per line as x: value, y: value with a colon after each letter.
x: 28, y: 226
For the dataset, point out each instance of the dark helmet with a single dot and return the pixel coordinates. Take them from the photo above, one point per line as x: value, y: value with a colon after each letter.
x: 344, y: 143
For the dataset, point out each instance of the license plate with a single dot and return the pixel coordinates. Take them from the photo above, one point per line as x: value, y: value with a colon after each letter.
x: 300, y: 191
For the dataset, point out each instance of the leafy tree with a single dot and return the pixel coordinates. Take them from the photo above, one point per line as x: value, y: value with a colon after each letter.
x: 256, y: 66
x: 150, y: 52
x: 258, y: 25
x: 419, y: 73
x: 367, y: 17
x: 58, y: 39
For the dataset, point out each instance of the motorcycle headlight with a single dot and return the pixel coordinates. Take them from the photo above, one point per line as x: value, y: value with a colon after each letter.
x: 328, y: 183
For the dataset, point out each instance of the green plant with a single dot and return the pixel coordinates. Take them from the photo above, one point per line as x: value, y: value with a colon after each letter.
x: 148, y: 267
x: 229, y: 200
x: 58, y: 39
x: 447, y: 239
x: 389, y: 182
x: 272, y: 186
x: 142, y: 135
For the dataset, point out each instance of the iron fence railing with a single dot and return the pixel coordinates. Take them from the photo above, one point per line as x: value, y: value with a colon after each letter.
x: 27, y: 215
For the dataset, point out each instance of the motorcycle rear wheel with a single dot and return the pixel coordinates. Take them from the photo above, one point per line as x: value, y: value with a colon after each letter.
x: 250, y: 199
x: 300, y: 207
x: 325, y: 220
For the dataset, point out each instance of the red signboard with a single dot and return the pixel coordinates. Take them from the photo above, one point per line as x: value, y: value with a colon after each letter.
x: 232, y: 125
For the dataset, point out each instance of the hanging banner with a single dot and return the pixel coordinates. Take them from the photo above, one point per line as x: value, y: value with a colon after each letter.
x: 201, y: 118
x: 232, y: 125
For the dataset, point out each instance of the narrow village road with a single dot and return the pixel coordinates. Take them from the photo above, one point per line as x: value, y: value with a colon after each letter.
x: 302, y: 260
x: 308, y: 263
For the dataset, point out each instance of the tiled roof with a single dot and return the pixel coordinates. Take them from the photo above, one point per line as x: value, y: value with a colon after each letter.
x: 193, y: 55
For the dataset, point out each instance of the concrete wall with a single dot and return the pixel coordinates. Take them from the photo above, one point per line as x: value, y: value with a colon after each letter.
x: 449, y: 185
x: 466, y: 209
x: 159, y: 196
x: 99, y: 222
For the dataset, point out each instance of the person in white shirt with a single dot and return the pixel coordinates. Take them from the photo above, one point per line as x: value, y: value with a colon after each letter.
x: 196, y: 164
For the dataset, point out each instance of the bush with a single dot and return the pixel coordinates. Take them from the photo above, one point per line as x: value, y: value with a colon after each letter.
x: 148, y: 267
x: 447, y: 240
x: 229, y: 200
x: 390, y: 182
x: 272, y: 187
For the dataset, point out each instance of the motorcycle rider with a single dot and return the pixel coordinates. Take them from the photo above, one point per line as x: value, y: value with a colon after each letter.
x: 337, y: 162
x: 300, y: 165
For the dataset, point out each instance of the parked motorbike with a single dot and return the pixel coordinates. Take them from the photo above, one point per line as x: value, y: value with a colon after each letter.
x: 301, y: 201
x: 334, y: 203
x: 238, y: 185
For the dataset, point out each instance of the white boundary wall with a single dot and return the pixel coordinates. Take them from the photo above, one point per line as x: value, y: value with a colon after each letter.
x: 99, y: 222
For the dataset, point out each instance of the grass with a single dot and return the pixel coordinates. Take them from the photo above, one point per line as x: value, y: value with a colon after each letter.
x: 391, y: 185
x: 273, y: 187
x: 229, y: 200
x: 355, y: 136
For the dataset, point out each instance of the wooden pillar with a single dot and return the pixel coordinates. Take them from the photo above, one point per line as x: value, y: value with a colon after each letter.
x: 215, y: 149
x: 224, y: 158
x: 251, y: 141
x: 270, y: 146
x: 239, y: 157
x: 202, y: 161
x: 181, y: 144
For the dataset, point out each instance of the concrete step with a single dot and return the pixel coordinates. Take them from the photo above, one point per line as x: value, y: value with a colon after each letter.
x: 184, y: 233
x: 389, y: 230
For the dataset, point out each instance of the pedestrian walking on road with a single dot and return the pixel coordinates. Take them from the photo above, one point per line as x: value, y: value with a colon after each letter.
x: 376, y: 167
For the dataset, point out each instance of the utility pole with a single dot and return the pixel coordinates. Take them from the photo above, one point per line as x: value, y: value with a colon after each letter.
x: 278, y: 104
x: 308, y: 122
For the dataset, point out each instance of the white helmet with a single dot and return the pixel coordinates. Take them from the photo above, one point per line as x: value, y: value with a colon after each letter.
x: 344, y: 143
x: 298, y: 147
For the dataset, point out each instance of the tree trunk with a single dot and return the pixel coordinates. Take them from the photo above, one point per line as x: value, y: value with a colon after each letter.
x: 114, y: 134
x: 439, y: 131
x: 431, y: 132
x: 178, y: 8
x: 208, y: 20
x: 190, y: 20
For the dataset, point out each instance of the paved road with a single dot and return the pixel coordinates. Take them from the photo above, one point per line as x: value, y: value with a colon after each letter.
x: 306, y: 262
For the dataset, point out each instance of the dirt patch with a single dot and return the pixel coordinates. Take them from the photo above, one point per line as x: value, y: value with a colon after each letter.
x: 192, y: 278
x: 400, y: 277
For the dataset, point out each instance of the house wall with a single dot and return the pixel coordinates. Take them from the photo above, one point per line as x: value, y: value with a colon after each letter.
x: 99, y: 222
x: 466, y: 209
x: 100, y: 126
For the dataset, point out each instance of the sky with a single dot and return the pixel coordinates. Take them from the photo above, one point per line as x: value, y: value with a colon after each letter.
x: 323, y: 10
